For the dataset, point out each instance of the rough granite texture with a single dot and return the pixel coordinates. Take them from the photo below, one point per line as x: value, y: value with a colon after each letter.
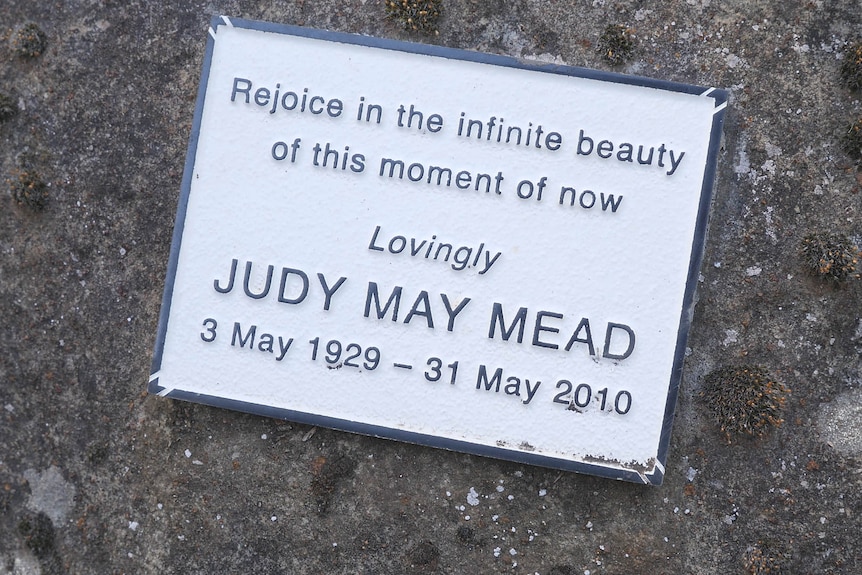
x: 97, y: 477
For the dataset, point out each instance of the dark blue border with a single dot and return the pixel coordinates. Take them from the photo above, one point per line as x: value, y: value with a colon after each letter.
x: 697, y: 251
x: 720, y: 98
x: 182, y: 208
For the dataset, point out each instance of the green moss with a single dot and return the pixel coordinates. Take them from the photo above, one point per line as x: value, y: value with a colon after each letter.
x: 616, y: 44
x: 852, y: 143
x: 29, y: 190
x: 415, y: 15
x: 38, y: 533
x: 829, y: 256
x: 30, y: 41
x: 7, y: 108
x: 851, y: 67
x: 744, y: 400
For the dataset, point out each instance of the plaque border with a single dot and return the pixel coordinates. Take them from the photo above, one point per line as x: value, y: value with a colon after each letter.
x: 654, y: 476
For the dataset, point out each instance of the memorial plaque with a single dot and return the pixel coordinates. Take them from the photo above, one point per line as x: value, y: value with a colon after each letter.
x: 443, y: 247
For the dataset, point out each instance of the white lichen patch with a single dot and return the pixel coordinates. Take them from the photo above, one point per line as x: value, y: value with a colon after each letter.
x: 546, y: 58
x: 772, y: 150
x: 731, y: 336
x: 840, y: 423
x: 742, y: 165
x: 753, y: 271
x: 50, y: 493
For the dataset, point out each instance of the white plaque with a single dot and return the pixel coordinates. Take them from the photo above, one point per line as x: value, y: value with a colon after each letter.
x: 443, y: 247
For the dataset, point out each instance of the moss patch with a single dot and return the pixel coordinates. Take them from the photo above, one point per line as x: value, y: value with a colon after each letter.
x: 744, y: 400
x: 29, y: 190
x: 328, y: 474
x: 7, y: 108
x: 38, y: 533
x: 852, y: 143
x: 424, y: 556
x: 466, y: 536
x: 616, y: 44
x: 829, y: 256
x: 851, y: 67
x: 30, y: 41
x: 415, y: 15
x: 759, y: 560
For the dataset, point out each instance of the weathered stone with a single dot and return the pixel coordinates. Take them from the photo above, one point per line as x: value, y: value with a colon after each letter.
x: 110, y: 103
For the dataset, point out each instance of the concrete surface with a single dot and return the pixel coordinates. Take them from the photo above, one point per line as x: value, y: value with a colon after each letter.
x: 98, y: 477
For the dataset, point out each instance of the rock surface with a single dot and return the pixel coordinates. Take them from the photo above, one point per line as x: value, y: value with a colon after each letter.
x: 98, y: 477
